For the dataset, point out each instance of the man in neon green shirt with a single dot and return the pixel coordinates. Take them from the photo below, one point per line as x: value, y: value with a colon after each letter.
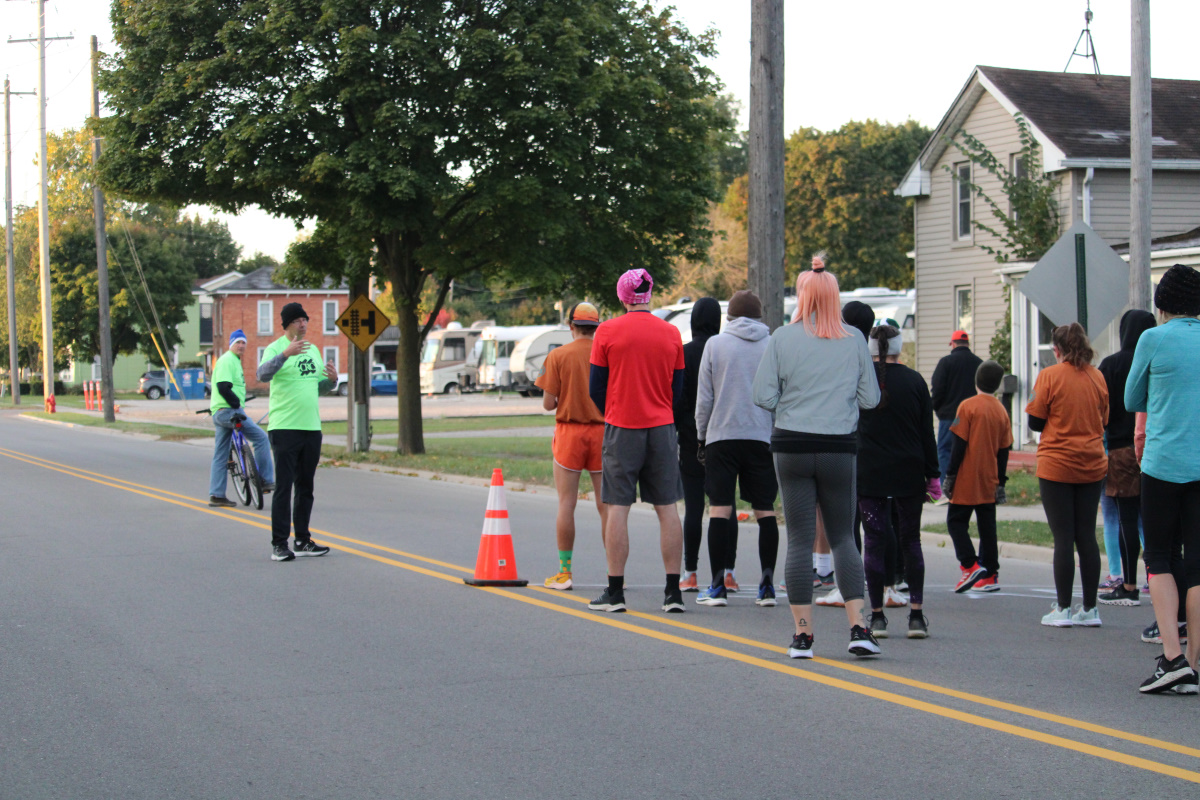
x: 229, y: 393
x: 293, y: 368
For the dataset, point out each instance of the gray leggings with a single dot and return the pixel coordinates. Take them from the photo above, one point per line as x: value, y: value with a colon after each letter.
x: 806, y: 479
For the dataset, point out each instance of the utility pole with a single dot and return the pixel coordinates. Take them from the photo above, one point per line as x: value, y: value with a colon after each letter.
x: 44, y: 211
x: 1140, y: 155
x: 8, y: 248
x: 766, y: 158
x: 106, y: 355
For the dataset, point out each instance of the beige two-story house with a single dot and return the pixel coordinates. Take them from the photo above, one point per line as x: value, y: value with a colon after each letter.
x: 1081, y: 123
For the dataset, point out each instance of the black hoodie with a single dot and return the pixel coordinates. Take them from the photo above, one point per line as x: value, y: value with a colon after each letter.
x: 1115, y: 370
x: 706, y: 323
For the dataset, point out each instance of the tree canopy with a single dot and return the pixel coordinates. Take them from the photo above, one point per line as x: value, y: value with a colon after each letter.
x: 841, y: 199
x: 556, y: 143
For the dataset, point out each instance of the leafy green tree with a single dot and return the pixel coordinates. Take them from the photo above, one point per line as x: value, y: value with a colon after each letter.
x: 1026, y: 215
x: 208, y: 246
x: 841, y: 199
x: 258, y: 261
x: 553, y: 143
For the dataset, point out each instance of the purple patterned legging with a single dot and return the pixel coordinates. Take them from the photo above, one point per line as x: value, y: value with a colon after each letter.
x: 877, y: 532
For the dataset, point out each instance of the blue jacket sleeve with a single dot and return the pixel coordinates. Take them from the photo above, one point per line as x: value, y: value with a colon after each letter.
x: 598, y: 386
x: 677, y: 386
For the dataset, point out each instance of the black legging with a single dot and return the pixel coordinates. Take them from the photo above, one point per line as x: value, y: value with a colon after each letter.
x: 1071, y: 511
x: 1128, y: 511
x: 693, y: 513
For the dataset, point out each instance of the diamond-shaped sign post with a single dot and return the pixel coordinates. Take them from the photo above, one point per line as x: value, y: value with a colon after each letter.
x: 362, y: 322
x: 1092, y: 296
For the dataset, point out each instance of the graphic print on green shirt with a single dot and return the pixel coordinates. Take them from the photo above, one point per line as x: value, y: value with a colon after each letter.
x: 294, y: 390
x: 228, y: 369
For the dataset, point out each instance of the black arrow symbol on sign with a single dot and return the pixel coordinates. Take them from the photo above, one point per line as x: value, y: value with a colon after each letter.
x: 369, y: 322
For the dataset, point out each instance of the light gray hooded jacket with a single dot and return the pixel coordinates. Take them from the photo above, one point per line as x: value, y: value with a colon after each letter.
x: 724, y: 399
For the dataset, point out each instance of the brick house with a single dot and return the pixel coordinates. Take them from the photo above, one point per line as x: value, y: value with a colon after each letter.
x: 253, y: 303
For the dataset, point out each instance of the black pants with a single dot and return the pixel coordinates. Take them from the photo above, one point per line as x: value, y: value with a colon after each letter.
x: 1128, y: 512
x: 296, y: 456
x: 1071, y: 511
x: 958, y: 519
x: 692, y: 473
x: 1171, y: 519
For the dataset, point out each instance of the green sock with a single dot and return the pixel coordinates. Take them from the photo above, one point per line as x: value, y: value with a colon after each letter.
x: 564, y: 560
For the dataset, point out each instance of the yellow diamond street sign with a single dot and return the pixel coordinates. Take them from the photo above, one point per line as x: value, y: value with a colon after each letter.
x: 362, y: 322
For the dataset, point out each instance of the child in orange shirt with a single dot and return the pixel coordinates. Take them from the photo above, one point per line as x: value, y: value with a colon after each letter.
x: 981, y: 439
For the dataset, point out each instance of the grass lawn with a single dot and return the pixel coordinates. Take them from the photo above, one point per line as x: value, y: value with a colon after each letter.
x: 1015, y: 531
x: 388, y: 427
x: 1022, y: 489
x: 73, y: 400
x: 164, y: 432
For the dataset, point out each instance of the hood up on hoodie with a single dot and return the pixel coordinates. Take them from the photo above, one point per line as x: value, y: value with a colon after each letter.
x: 1115, y: 370
x: 706, y: 318
x: 706, y: 323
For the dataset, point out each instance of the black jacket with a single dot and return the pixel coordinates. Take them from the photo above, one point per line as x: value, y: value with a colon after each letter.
x: 897, y: 453
x: 706, y: 323
x: 1115, y: 370
x: 954, y: 381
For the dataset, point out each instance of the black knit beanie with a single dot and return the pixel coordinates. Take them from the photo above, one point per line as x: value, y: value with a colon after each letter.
x: 290, y: 313
x: 859, y: 315
x: 1179, y: 291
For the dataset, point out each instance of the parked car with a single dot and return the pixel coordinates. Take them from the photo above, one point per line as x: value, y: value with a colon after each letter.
x: 343, y: 380
x: 383, y: 383
x: 153, y: 384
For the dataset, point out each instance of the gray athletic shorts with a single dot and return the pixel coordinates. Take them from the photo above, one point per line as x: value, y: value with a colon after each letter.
x: 641, y: 457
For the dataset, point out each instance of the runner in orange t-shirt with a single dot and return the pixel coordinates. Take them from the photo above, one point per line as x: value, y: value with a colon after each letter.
x: 578, y: 431
x: 1069, y: 407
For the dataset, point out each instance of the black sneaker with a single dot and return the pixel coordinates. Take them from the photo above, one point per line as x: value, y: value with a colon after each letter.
x: 918, y: 627
x: 673, y: 601
x: 608, y: 602
x: 802, y: 645
x: 862, y: 643
x: 220, y: 502
x: 1188, y: 685
x: 1167, y: 674
x: 822, y: 581
x: 268, y: 487
x: 878, y: 625
x: 310, y: 548
x: 1121, y: 596
x: 1151, y: 635
x: 280, y: 552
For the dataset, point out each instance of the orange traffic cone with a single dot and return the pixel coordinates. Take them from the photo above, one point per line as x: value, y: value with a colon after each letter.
x: 497, y: 563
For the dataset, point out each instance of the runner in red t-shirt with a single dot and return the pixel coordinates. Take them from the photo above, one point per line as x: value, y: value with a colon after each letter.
x: 637, y: 376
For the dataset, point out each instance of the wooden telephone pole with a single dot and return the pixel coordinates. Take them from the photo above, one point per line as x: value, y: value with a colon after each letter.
x: 766, y: 158
x: 1140, y: 154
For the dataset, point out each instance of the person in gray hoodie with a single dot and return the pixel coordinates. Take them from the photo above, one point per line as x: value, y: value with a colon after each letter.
x: 735, y: 436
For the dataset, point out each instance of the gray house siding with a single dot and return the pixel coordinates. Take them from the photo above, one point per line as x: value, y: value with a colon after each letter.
x: 1176, y: 202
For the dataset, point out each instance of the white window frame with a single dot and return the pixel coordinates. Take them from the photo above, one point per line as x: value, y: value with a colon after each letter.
x: 335, y: 352
x: 963, y: 201
x: 1018, y: 169
x: 265, y: 324
x: 330, y: 315
x: 959, y: 316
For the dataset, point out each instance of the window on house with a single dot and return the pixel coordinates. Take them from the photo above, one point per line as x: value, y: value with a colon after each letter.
x: 962, y: 205
x: 266, y: 314
x: 1019, y: 168
x: 963, y: 310
x: 331, y: 357
x: 206, y: 324
x: 331, y: 315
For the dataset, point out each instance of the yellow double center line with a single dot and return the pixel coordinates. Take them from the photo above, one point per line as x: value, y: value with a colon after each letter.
x: 352, y: 546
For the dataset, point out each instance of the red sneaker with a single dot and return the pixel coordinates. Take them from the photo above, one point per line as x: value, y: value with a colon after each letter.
x: 988, y: 584
x: 731, y: 584
x: 970, y: 576
x: 688, y: 583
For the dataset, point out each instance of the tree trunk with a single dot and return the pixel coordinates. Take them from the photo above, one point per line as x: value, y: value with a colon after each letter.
x: 411, y: 438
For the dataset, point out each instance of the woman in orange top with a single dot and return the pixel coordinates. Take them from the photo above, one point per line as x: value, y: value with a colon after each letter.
x: 1070, y: 408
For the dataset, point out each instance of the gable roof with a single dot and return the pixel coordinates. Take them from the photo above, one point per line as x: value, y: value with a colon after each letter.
x: 262, y: 281
x: 1079, y: 120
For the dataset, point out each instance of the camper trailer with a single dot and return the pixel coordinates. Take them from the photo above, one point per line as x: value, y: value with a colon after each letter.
x: 444, y: 358
x: 529, y: 356
x: 496, y: 348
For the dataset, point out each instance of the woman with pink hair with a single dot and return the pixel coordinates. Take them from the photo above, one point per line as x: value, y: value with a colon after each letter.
x: 815, y: 376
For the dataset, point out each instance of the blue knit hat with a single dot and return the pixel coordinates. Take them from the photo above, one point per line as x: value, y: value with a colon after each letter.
x: 236, y: 336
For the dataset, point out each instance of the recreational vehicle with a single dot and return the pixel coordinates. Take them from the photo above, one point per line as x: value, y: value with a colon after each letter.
x: 529, y: 356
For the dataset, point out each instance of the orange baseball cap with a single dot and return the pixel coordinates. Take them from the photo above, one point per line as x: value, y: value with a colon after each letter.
x: 960, y: 336
x: 585, y: 315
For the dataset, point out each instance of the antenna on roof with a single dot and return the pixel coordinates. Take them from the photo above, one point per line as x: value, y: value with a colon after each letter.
x: 1085, y: 38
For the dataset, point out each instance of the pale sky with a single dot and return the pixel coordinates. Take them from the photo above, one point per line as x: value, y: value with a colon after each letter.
x: 871, y: 59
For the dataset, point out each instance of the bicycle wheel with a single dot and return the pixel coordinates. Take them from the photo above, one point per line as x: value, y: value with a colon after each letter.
x: 253, y: 479
x: 241, y: 483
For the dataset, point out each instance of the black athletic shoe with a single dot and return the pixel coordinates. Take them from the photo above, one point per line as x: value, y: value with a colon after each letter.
x: 280, y: 552
x: 608, y: 602
x: 802, y: 645
x: 673, y: 601
x: 1121, y: 596
x: 310, y: 548
x: 1188, y: 685
x: 1151, y: 635
x: 862, y: 643
x: 918, y: 627
x: 878, y: 625
x: 1167, y: 674
x: 220, y: 502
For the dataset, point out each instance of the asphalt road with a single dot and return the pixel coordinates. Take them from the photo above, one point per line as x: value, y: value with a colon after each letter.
x: 150, y: 649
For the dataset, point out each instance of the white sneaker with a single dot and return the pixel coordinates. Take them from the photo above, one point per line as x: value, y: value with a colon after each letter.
x: 833, y: 599
x: 1086, y: 619
x: 893, y: 598
x: 1058, y: 617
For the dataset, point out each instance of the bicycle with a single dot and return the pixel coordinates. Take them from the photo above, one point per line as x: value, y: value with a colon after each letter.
x: 243, y: 470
